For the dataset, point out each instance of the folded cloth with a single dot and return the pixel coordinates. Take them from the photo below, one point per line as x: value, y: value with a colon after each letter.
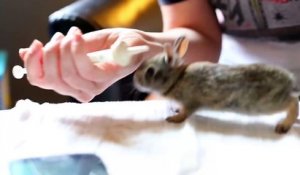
x: 133, y: 138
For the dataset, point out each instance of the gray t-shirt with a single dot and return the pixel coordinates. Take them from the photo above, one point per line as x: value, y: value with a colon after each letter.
x: 280, y: 18
x: 258, y: 18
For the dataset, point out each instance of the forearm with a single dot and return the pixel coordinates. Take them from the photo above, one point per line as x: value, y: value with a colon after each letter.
x: 201, y: 48
x: 196, y: 20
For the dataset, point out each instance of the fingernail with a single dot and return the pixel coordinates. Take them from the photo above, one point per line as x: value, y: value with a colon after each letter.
x: 56, y: 36
x: 73, y: 30
x: 34, y: 43
x: 22, y: 50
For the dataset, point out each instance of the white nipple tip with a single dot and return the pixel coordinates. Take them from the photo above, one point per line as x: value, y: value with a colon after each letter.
x: 18, y: 71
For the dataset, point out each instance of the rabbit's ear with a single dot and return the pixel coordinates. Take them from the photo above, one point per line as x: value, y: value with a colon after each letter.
x: 180, y: 46
x: 171, y: 57
x: 168, y: 56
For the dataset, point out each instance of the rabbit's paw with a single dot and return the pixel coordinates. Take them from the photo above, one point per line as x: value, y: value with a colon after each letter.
x: 282, y: 128
x: 178, y: 118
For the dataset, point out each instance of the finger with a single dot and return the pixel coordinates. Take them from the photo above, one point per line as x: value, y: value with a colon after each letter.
x: 57, y: 36
x: 85, y: 67
x: 33, y: 62
x: 110, y: 71
x: 84, y: 98
x: 100, y: 39
x: 50, y: 60
x: 103, y: 73
x: 22, y: 51
x: 52, y: 78
x: 69, y: 71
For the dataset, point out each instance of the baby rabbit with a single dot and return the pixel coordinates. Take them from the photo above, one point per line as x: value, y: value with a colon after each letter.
x: 249, y: 89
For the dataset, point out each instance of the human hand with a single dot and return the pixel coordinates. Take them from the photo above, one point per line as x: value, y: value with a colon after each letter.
x: 62, y: 65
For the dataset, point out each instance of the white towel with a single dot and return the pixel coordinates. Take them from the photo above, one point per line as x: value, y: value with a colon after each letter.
x: 133, y: 138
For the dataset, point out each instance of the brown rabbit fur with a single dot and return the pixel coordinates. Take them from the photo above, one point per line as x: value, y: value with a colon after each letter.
x: 250, y: 89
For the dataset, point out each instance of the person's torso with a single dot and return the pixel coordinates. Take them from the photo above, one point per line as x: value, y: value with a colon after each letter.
x: 280, y: 18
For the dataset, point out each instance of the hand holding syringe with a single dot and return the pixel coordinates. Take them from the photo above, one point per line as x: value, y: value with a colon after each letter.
x: 119, y: 53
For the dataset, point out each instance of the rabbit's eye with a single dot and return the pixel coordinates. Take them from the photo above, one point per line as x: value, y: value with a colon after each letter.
x: 149, y: 73
x: 158, y: 75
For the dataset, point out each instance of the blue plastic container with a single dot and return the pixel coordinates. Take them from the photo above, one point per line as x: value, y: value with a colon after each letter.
x: 4, y: 90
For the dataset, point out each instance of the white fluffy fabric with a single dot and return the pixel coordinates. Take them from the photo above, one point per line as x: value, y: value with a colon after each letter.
x: 133, y: 138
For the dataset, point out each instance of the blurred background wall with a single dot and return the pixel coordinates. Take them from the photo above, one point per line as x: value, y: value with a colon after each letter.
x: 20, y: 23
